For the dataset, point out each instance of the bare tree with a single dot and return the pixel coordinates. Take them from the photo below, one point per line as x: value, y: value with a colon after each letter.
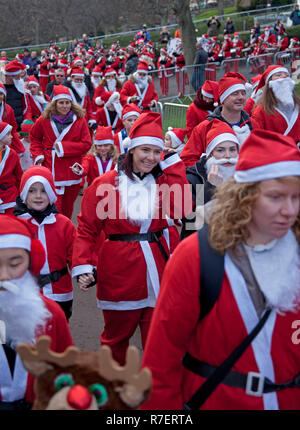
x: 187, y: 29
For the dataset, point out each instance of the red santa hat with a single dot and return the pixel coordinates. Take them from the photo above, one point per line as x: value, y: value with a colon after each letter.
x: 220, y: 132
x: 211, y: 89
x: 90, y: 52
x: 16, y: 233
x: 131, y: 109
x: 26, y: 127
x: 236, y: 34
x: 104, y: 136
x: 77, y: 71
x: 230, y: 83
x: 267, y: 155
x: 255, y: 81
x: 61, y: 92
x: 177, y: 136
x: 110, y: 71
x: 14, y: 68
x: 38, y: 174
x: 146, y: 130
x: 97, y: 71
x: 3, y: 89
x: 32, y: 80
x: 4, y: 129
x: 76, y: 61
x: 143, y: 66
x: 268, y: 73
x: 62, y: 62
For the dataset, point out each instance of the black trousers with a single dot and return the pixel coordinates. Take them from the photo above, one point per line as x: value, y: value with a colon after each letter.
x: 67, y: 307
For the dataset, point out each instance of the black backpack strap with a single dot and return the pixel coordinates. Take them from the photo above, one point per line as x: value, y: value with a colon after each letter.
x: 211, y: 272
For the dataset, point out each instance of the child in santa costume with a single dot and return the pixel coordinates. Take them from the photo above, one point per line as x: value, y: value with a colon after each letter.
x: 58, y: 139
x: 110, y: 114
x: 204, y: 103
x: 7, y: 115
x: 124, y: 203
x: 164, y: 62
x: 26, y: 159
x: 130, y: 114
x: 258, y: 251
x: 56, y: 232
x: 279, y: 107
x: 10, y: 170
x: 174, y: 140
x: 38, y: 101
x: 25, y: 313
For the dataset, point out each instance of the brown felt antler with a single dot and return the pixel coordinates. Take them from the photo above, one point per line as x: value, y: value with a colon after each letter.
x: 129, y: 373
x: 41, y: 353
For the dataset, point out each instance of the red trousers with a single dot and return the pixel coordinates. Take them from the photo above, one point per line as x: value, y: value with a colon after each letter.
x: 43, y: 83
x: 65, y: 202
x: 120, y: 326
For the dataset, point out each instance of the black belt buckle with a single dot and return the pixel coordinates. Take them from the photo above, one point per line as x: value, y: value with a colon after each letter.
x: 55, y: 275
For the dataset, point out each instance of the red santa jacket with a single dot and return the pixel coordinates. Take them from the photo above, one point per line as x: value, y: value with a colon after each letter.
x: 130, y: 88
x: 36, y: 106
x: 238, y: 46
x: 103, y: 119
x: 7, y: 115
x: 162, y: 66
x: 194, y: 116
x: 215, y: 51
x: 277, y: 122
x: 175, y: 329
x: 56, y: 232
x: 44, y: 69
x: 122, y: 266
x: 93, y: 168
x: 283, y: 43
x: 10, y: 178
x: 74, y: 142
x: 20, y: 385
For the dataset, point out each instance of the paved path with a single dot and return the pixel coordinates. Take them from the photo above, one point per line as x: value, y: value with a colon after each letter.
x: 86, y: 323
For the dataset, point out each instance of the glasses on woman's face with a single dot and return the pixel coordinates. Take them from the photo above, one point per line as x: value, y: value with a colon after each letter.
x: 59, y: 76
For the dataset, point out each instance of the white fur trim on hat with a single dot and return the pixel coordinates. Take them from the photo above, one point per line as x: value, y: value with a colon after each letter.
x: 33, y: 83
x: 223, y: 137
x: 206, y: 94
x: 6, y: 130
x: 278, y: 70
x: 269, y: 171
x: 62, y: 96
x: 104, y: 142
x: 131, y: 113
x: 175, y: 139
x: 143, y: 140
x: 37, y: 178
x: 231, y: 90
x: 15, y: 241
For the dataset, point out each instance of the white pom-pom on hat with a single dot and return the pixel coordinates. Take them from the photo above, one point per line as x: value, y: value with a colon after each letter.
x: 99, y: 101
x: 126, y: 142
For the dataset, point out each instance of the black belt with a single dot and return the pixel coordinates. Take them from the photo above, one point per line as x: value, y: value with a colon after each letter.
x: 51, y: 277
x: 255, y: 384
x: 150, y: 236
x: 17, y: 405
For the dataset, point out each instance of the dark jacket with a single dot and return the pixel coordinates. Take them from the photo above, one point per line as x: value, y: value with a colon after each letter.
x: 131, y: 64
x: 15, y: 100
x: 217, y: 114
x: 196, y: 176
x: 229, y: 28
x: 294, y: 16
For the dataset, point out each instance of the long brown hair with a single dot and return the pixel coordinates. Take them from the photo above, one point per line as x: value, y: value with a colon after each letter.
x: 103, y: 83
x: 51, y: 109
x: 270, y: 102
x: 126, y: 164
x: 232, y: 213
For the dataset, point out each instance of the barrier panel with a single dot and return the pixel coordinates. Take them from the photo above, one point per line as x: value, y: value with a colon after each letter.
x: 284, y: 58
x: 174, y: 115
x: 238, y: 65
x: 257, y: 64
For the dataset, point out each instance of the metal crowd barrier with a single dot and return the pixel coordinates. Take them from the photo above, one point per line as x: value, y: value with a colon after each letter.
x: 174, y: 115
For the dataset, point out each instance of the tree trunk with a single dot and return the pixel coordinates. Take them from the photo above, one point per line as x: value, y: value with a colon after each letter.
x: 187, y: 29
x: 221, y: 7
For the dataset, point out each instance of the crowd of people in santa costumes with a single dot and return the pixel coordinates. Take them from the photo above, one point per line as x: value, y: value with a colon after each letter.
x: 235, y: 167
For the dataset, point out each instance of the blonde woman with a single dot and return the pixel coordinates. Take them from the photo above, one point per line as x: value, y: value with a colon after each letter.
x: 254, y: 230
x: 60, y: 138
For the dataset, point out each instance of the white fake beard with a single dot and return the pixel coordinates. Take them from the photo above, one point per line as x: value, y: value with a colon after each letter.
x: 40, y: 98
x: 138, y: 198
x: 20, y: 85
x: 279, y: 281
x: 267, y: 34
x: 111, y: 84
x: 80, y: 89
x: 226, y: 171
x: 22, y: 311
x: 142, y: 82
x: 95, y: 81
x: 283, y: 90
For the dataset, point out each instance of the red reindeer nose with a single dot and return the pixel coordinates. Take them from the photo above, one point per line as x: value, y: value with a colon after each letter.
x: 79, y: 397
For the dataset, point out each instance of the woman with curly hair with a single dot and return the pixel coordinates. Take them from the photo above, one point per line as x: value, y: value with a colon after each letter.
x: 60, y: 138
x: 254, y: 229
